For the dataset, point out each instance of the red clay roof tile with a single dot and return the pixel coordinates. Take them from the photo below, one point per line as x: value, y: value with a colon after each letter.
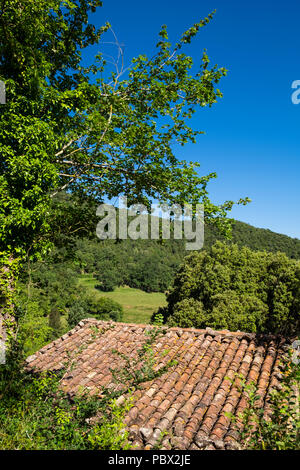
x: 191, y: 399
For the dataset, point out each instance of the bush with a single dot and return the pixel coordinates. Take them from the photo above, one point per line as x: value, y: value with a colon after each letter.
x: 109, y: 309
x: 34, y: 328
x: 76, y: 314
x: 237, y: 289
x: 188, y: 313
x: 109, y: 278
x: 238, y: 312
x: 102, y: 309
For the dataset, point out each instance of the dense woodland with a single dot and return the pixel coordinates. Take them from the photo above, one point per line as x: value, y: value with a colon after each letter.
x: 51, y: 301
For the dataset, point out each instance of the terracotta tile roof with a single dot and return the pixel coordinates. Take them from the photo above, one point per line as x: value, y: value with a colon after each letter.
x: 191, y: 399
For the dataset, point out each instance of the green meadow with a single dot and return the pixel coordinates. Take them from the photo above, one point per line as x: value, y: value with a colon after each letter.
x: 138, y: 305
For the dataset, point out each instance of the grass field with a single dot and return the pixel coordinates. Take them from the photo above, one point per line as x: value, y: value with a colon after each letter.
x: 138, y: 305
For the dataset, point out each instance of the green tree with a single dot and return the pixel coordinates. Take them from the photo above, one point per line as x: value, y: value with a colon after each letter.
x: 65, y: 126
x: 237, y: 289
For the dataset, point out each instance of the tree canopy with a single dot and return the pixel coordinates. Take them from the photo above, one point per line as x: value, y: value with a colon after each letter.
x: 88, y: 129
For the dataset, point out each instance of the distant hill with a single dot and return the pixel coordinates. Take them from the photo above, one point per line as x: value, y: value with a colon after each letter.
x: 148, y: 265
x: 59, y: 298
x: 77, y: 221
x: 257, y: 239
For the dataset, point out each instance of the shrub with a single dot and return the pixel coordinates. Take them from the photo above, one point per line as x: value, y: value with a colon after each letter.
x: 109, y: 309
x: 34, y: 328
x: 102, y: 309
x: 109, y: 278
x: 238, y: 312
x: 188, y: 313
x: 76, y: 314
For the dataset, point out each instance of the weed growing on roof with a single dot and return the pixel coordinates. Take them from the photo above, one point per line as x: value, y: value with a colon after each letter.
x: 110, y: 433
x: 279, y: 430
x: 158, y: 319
x: 143, y: 367
x: 72, y: 356
x: 159, y: 443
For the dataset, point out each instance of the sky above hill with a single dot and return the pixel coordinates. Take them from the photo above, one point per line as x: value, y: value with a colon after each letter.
x: 252, y: 134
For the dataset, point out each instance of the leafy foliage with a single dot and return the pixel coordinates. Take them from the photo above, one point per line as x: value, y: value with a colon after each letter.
x: 86, y: 129
x: 50, y: 302
x: 66, y: 125
x: 279, y: 430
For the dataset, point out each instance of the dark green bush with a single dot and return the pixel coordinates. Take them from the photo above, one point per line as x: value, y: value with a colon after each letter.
x: 237, y: 289
x: 102, y: 309
x: 108, y: 309
x: 109, y: 278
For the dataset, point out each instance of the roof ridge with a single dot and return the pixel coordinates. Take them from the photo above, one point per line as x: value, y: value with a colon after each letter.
x: 197, y: 331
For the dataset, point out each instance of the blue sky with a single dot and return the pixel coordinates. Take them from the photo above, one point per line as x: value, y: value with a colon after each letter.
x: 252, y: 134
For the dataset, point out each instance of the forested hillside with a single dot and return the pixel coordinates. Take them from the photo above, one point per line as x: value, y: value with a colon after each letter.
x: 150, y: 265
x: 52, y: 299
x: 257, y: 239
x: 144, y: 264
